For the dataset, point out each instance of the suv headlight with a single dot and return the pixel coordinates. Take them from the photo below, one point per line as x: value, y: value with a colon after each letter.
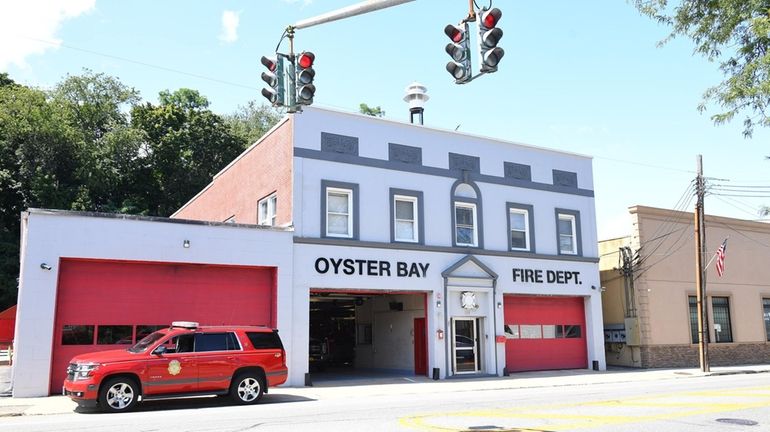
x: 83, y: 371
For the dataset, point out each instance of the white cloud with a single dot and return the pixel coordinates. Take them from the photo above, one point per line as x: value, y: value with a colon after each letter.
x: 29, y: 27
x: 230, y: 21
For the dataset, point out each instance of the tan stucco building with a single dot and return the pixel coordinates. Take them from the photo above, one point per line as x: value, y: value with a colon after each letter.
x: 648, y: 279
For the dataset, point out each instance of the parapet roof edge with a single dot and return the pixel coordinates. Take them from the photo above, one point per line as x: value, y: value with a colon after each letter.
x: 57, y: 212
x: 447, y: 131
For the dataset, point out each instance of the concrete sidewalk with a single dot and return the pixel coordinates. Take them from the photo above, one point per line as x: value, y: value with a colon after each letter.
x: 418, y: 385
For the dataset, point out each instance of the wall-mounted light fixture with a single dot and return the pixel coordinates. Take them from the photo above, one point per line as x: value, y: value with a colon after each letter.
x: 186, y: 244
x: 438, y: 303
x: 499, y: 305
x: 45, y: 266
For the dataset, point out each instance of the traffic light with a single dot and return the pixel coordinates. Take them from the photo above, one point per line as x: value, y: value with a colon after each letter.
x: 305, y: 76
x: 489, y: 36
x: 459, y: 50
x: 274, y: 78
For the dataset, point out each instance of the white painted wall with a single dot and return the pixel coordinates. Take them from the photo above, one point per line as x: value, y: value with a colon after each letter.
x: 48, y: 236
x: 306, y: 278
x: 374, y: 134
x: 392, y: 345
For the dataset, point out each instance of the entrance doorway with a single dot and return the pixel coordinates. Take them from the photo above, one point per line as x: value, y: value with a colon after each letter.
x: 466, y: 346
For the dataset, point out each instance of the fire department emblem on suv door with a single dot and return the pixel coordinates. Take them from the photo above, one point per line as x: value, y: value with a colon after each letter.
x: 174, y: 367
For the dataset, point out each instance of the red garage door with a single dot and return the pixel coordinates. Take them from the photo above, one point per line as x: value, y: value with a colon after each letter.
x: 103, y: 305
x: 544, y: 333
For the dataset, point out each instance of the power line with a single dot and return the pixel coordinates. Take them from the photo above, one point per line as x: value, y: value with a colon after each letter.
x: 667, y: 226
x: 754, y: 213
x: 141, y: 63
x: 742, y: 234
x: 668, y: 252
x: 645, y: 164
x: 739, y: 187
x: 740, y: 195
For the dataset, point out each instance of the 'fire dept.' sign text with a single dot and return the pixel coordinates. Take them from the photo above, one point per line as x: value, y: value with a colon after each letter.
x: 546, y: 276
x: 361, y: 267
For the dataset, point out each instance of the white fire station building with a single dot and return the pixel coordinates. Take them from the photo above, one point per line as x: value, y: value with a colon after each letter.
x: 394, y: 247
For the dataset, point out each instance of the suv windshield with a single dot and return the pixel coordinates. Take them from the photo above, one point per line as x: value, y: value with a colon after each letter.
x: 148, y: 340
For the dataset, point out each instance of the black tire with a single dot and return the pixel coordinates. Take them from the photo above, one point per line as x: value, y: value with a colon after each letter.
x: 119, y: 394
x: 247, y: 388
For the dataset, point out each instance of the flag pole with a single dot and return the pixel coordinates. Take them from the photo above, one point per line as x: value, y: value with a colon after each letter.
x: 713, y: 257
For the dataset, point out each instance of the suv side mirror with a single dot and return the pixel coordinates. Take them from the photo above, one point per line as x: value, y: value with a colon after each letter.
x: 160, y: 350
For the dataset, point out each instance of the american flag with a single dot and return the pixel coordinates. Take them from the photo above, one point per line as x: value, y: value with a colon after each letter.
x: 720, y: 265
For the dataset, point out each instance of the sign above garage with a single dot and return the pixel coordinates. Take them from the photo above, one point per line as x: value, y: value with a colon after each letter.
x: 362, y: 267
x: 546, y: 276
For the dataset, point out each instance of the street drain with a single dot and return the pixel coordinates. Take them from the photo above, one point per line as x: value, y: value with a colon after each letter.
x: 741, y: 422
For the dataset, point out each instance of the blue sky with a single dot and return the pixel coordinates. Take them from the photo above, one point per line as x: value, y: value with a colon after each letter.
x: 585, y: 77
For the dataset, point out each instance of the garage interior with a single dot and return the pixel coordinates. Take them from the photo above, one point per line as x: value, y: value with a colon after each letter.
x: 365, y: 335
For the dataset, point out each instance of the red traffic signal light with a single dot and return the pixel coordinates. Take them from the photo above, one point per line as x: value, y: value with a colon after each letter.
x: 274, y: 78
x: 489, y: 36
x: 305, y: 77
x: 271, y: 63
x: 459, y: 50
x: 306, y: 59
x: 455, y: 33
x: 490, y: 18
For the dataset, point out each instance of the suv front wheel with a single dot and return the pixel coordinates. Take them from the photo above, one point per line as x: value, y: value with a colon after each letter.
x: 118, y: 394
x: 247, y: 388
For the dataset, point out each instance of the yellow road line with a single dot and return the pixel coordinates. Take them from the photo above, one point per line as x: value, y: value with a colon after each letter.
x: 543, y: 411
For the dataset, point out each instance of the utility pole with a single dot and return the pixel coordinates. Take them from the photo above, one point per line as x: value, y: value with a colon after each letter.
x: 700, y: 282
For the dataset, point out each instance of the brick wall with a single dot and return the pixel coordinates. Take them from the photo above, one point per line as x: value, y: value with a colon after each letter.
x: 264, y: 168
x: 664, y: 356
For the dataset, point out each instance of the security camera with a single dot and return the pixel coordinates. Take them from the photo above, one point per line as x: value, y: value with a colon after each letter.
x: 45, y: 266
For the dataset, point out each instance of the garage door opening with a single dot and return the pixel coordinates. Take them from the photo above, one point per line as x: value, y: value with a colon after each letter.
x: 366, y: 336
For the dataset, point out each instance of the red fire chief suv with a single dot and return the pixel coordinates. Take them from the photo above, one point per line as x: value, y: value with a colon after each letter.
x: 182, y: 360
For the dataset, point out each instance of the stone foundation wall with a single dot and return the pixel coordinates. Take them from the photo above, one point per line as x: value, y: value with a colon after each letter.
x: 671, y: 356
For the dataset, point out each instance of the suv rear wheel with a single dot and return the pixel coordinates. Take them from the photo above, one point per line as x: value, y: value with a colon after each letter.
x: 118, y: 394
x: 247, y: 388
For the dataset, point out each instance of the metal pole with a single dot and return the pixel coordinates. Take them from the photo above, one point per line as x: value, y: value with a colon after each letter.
x: 349, y: 11
x: 699, y: 276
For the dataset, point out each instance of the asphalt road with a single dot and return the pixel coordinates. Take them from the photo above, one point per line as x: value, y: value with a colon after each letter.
x: 715, y: 403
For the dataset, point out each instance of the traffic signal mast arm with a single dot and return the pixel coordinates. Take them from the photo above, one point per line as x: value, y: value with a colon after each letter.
x: 291, y: 81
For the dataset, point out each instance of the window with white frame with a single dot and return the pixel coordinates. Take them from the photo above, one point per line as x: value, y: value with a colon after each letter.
x: 405, y: 216
x: 339, y: 217
x: 465, y: 224
x: 267, y: 208
x: 567, y: 234
x: 518, y: 220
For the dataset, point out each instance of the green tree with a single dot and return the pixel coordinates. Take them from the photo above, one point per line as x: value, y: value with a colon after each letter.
x: 371, y: 111
x: 70, y: 148
x: 38, y: 154
x: 5, y: 80
x: 109, y: 159
x: 252, y: 121
x: 187, y: 145
x: 736, y: 33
